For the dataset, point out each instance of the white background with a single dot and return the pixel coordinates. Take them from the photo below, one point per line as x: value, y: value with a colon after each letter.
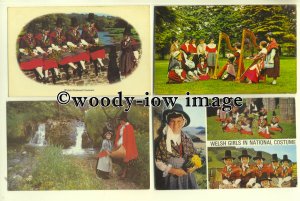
x: 124, y: 195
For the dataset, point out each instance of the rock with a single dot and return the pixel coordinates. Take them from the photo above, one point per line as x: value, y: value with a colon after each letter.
x: 14, y: 162
x: 24, y: 152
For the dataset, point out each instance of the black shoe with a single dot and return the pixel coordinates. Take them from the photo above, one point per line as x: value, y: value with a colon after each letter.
x: 45, y: 80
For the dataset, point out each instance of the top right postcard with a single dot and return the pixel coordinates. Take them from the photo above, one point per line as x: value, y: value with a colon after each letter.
x: 236, y: 49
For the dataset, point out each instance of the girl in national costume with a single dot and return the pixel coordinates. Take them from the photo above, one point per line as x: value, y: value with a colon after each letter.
x: 75, y: 44
x: 254, y: 70
x: 247, y: 173
x: 175, y: 72
x: 202, y: 64
x: 263, y: 129
x: 90, y: 36
x: 211, y: 50
x: 60, y: 49
x: 173, y: 151
x: 44, y: 43
x: 272, y: 63
x: 259, y: 168
x: 104, y: 165
x: 29, y: 58
x: 246, y: 127
x: 286, y: 172
x: 274, y: 124
x: 230, y: 73
x: 275, y: 171
x: 230, y: 172
x: 129, y: 53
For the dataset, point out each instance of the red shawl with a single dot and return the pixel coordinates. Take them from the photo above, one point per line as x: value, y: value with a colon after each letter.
x: 128, y: 142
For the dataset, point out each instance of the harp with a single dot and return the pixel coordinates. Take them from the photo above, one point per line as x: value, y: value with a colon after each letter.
x: 224, y: 36
x: 247, y: 33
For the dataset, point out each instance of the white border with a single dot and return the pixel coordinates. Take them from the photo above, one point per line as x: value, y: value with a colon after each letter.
x: 130, y: 195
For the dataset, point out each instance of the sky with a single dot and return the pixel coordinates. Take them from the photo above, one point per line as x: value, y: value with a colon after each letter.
x: 289, y: 150
x: 197, y: 114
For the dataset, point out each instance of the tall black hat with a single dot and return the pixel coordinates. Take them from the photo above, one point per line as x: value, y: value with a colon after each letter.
x: 91, y: 17
x: 258, y: 156
x: 228, y: 155
x: 264, y: 177
x: 285, y: 158
x: 174, y: 39
x: 274, y: 158
x: 74, y: 22
x: 274, y: 113
x: 244, y: 154
x: 59, y: 22
x: 45, y: 25
x: 176, y: 109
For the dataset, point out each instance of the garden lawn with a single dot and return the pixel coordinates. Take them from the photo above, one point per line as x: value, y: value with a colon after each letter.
x: 286, y: 83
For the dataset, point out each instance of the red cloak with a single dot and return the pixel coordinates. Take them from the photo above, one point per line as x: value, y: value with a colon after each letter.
x: 128, y: 142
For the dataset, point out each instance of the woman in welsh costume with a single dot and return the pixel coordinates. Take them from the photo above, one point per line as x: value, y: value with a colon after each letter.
x: 29, y: 57
x: 174, y: 149
x: 90, y: 36
x: 74, y: 42
x: 44, y: 42
x: 60, y: 49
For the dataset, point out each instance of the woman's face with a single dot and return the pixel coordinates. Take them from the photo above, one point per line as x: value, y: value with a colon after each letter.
x: 259, y: 161
x: 265, y: 184
x: 245, y: 160
x: 275, y: 163
x: 29, y: 35
x: 228, y: 161
x: 212, y: 41
x: 285, y: 164
x: 176, y: 124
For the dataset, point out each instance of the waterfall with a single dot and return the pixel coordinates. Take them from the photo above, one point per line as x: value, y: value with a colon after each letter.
x: 77, y: 148
x: 39, y: 136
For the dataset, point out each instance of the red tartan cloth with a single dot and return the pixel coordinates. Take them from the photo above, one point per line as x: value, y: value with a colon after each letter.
x: 98, y: 54
x: 66, y: 60
x: 30, y: 65
x: 265, y: 135
x: 275, y: 129
x: 128, y: 142
x: 102, y: 154
x: 84, y: 56
x: 49, y: 63
x: 246, y: 132
x: 228, y: 130
x: 176, y: 78
x: 251, y: 75
x: 204, y: 77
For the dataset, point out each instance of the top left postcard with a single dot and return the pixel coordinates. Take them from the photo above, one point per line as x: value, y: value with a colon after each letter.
x: 86, y: 50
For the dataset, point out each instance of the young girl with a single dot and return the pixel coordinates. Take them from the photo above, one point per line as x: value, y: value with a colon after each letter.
x: 229, y: 74
x: 253, y: 72
x: 104, y: 166
x: 274, y: 125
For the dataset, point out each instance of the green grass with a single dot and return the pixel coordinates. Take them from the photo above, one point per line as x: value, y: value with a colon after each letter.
x: 286, y: 83
x: 214, y: 131
x: 55, y: 171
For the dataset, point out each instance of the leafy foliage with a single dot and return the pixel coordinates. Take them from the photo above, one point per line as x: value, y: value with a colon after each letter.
x: 206, y: 21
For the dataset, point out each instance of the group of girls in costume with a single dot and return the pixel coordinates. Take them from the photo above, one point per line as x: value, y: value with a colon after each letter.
x: 277, y: 174
x: 47, y: 50
x: 190, y: 62
x: 236, y: 121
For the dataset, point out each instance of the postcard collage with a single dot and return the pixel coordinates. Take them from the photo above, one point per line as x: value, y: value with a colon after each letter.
x: 148, y: 98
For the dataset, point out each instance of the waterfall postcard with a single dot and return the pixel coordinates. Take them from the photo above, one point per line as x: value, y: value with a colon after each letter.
x: 99, y: 50
x: 62, y: 147
x: 219, y: 49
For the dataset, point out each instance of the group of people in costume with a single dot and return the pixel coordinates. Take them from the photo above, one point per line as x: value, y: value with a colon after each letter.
x: 242, y: 121
x: 123, y: 149
x: 49, y: 49
x: 190, y: 62
x: 257, y: 174
x: 173, y: 149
